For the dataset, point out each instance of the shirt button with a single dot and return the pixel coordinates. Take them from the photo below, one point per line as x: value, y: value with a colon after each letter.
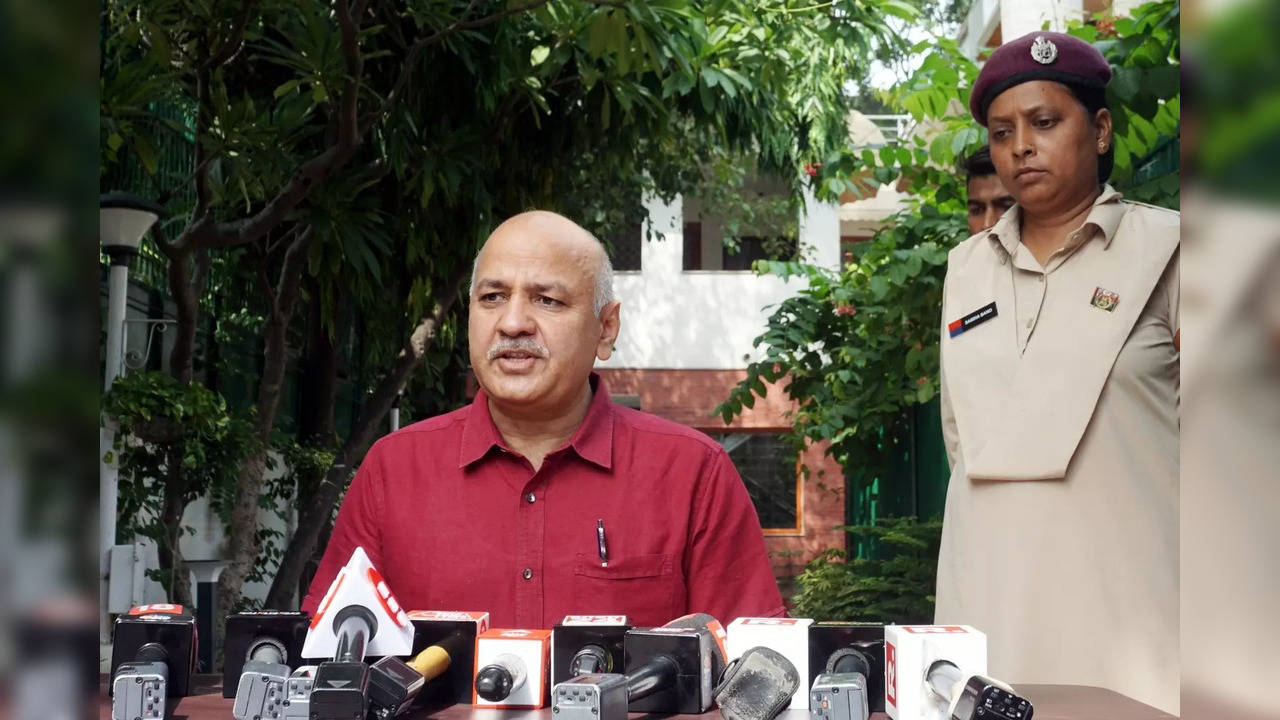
x: 1030, y: 323
x: 1042, y: 278
x: 531, y: 498
x: 527, y: 573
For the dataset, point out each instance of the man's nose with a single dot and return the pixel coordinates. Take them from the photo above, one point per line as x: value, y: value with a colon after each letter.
x: 516, y: 318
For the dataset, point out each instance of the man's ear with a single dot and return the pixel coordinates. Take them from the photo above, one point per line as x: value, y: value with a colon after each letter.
x: 610, y: 324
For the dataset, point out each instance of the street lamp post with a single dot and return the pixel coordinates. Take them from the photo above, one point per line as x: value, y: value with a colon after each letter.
x: 123, y: 220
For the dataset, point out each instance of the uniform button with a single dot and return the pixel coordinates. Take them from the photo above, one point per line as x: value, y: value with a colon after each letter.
x: 528, y: 573
x: 530, y: 498
x: 1041, y: 278
x: 1030, y: 323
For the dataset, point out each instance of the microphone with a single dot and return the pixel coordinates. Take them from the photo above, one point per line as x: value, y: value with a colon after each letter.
x: 587, y: 645
x: 151, y: 660
x: 670, y: 668
x: 841, y: 693
x: 833, y: 647
x: 977, y: 697
x: 260, y: 691
x: 454, y: 633
x: 511, y: 668
x: 140, y: 687
x: 340, y: 685
x: 247, y: 635
x: 394, y: 684
x: 496, y: 681
x: 787, y: 636
x: 757, y: 686
x: 925, y: 671
x: 358, y: 616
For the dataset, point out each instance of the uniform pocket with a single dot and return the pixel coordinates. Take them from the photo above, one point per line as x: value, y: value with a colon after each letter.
x: 640, y: 587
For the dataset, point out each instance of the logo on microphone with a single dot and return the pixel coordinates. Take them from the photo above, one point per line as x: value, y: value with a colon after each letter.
x: 890, y: 674
x: 770, y: 621
x: 934, y: 629
x: 387, y: 600
x: 515, y: 633
x: 157, y: 608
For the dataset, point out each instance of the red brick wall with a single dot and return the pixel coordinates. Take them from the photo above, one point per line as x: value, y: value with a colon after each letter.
x: 689, y: 396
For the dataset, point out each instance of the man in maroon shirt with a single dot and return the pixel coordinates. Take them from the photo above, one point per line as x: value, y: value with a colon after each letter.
x: 502, y: 505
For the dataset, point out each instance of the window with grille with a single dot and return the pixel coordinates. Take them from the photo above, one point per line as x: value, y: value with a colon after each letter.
x: 768, y: 466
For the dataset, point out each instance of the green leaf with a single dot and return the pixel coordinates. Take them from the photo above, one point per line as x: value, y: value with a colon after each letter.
x: 287, y: 87
x: 538, y: 55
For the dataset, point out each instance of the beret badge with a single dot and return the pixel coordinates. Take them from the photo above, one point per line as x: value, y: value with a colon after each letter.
x: 1044, y: 51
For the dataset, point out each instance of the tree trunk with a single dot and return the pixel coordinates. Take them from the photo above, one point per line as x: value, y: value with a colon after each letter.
x: 315, y: 515
x: 242, y: 532
x: 186, y: 301
x: 169, y: 549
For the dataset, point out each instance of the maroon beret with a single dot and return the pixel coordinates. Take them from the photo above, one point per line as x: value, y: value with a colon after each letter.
x: 1037, y: 56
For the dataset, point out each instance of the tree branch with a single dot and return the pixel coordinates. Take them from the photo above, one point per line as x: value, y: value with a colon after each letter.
x: 234, y: 42
x: 411, y: 57
x: 202, y: 231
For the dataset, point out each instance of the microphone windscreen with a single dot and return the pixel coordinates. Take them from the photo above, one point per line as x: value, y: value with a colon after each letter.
x: 757, y: 686
x: 431, y: 662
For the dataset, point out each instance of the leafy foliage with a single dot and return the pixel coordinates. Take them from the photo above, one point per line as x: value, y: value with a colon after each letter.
x: 885, y: 589
x: 175, y: 442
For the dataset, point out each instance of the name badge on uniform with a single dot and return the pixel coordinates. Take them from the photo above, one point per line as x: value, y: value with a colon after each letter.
x: 1104, y: 299
x: 977, y: 317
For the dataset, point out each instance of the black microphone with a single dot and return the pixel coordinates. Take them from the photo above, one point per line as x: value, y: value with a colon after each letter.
x: 394, y: 684
x: 587, y: 645
x: 246, y: 635
x: 260, y: 690
x: 670, y: 669
x: 339, y: 690
x: 151, y: 659
x: 757, y: 686
x: 496, y: 681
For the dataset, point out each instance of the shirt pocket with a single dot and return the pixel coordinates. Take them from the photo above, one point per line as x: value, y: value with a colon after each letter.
x: 640, y: 587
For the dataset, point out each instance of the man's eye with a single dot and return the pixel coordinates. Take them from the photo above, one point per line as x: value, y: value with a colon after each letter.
x: 999, y: 134
x: 552, y: 302
x: 975, y: 210
x: 1046, y: 123
x: 491, y: 297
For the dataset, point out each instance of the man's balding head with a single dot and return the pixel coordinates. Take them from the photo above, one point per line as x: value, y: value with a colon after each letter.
x: 542, y: 311
x: 547, y: 226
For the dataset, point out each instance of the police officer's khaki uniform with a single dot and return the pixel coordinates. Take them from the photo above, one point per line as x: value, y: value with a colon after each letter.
x: 1061, y: 418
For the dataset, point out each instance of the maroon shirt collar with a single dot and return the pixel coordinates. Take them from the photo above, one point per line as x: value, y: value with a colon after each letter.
x: 593, y: 440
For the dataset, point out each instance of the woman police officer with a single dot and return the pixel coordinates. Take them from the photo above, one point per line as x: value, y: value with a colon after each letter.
x: 1060, y: 395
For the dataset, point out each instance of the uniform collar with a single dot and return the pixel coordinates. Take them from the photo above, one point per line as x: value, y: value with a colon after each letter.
x: 1105, y: 217
x: 592, y: 441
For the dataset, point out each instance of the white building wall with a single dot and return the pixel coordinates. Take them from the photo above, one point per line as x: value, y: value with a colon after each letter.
x: 1019, y: 17
x: 704, y: 319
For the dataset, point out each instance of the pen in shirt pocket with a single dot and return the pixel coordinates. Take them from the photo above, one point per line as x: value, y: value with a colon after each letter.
x: 601, y: 546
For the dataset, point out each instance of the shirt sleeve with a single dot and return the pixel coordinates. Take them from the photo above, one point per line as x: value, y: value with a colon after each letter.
x: 356, y: 526
x: 727, y: 566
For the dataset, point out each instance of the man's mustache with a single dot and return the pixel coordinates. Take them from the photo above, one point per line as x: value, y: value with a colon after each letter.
x: 516, y: 344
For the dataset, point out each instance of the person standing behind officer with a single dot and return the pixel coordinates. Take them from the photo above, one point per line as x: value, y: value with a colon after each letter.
x: 988, y: 198
x: 1060, y: 398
